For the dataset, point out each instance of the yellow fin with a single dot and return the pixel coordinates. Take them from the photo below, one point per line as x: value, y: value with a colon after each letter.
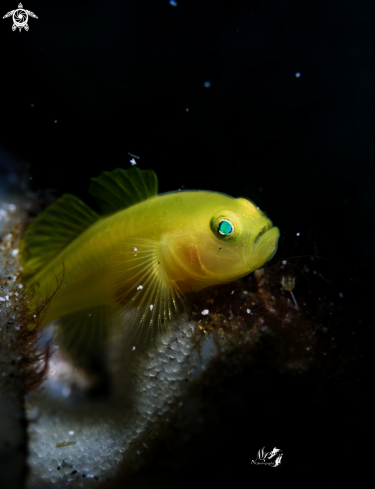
x: 86, y: 332
x: 57, y: 226
x: 148, y: 300
x: 118, y: 189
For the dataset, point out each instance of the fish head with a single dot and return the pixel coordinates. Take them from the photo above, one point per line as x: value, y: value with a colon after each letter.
x: 228, y: 238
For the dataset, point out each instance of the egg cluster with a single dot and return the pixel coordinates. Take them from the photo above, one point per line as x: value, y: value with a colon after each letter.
x: 72, y: 439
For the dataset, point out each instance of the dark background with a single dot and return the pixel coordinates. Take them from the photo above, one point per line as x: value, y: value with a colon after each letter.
x: 118, y: 77
x: 94, y: 80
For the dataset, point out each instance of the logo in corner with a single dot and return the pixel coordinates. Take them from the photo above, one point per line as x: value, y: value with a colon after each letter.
x: 272, y: 458
x: 20, y: 17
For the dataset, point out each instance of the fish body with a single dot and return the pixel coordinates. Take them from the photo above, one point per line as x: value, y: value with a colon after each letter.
x: 145, y: 257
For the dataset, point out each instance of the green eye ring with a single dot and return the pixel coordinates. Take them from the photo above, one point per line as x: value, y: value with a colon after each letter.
x: 225, y: 228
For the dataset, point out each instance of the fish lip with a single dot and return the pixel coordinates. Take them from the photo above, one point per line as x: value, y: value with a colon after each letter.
x: 264, y: 230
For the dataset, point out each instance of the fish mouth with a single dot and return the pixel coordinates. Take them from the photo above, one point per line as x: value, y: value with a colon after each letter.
x: 264, y: 230
x: 264, y: 246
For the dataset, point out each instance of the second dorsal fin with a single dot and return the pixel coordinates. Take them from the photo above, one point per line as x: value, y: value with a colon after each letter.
x: 56, y: 227
x: 118, y: 189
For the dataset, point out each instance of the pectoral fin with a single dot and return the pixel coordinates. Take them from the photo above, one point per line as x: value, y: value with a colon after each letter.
x: 148, y: 300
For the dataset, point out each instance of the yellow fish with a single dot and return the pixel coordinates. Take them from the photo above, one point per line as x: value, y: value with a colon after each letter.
x: 134, y: 262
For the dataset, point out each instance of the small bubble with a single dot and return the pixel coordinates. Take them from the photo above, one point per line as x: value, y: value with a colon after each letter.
x: 248, y: 311
x: 207, y: 84
x: 298, y: 74
x: 298, y: 234
x: 133, y: 348
x: 173, y: 3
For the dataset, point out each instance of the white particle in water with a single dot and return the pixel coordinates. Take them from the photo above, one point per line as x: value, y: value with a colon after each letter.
x: 207, y: 84
x: 133, y: 348
x: 135, y: 249
x: 298, y: 234
x: 133, y: 162
x: 2, y: 299
x: 341, y: 295
x: 151, y: 307
x: 205, y: 312
x: 298, y: 74
x: 15, y: 252
x: 140, y: 287
x: 248, y: 311
x: 20, y: 286
x: 173, y: 3
x: 71, y: 432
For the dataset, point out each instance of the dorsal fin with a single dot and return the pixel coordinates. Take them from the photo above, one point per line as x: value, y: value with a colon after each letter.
x: 57, y: 226
x: 118, y: 189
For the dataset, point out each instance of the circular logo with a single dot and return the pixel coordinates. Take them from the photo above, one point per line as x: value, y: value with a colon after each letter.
x: 20, y: 17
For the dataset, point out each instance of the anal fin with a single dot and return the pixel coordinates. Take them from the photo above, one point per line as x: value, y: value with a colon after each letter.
x: 85, y: 333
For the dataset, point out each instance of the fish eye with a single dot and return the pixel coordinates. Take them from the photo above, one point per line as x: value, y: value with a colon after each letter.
x: 225, y: 228
x: 226, y: 225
